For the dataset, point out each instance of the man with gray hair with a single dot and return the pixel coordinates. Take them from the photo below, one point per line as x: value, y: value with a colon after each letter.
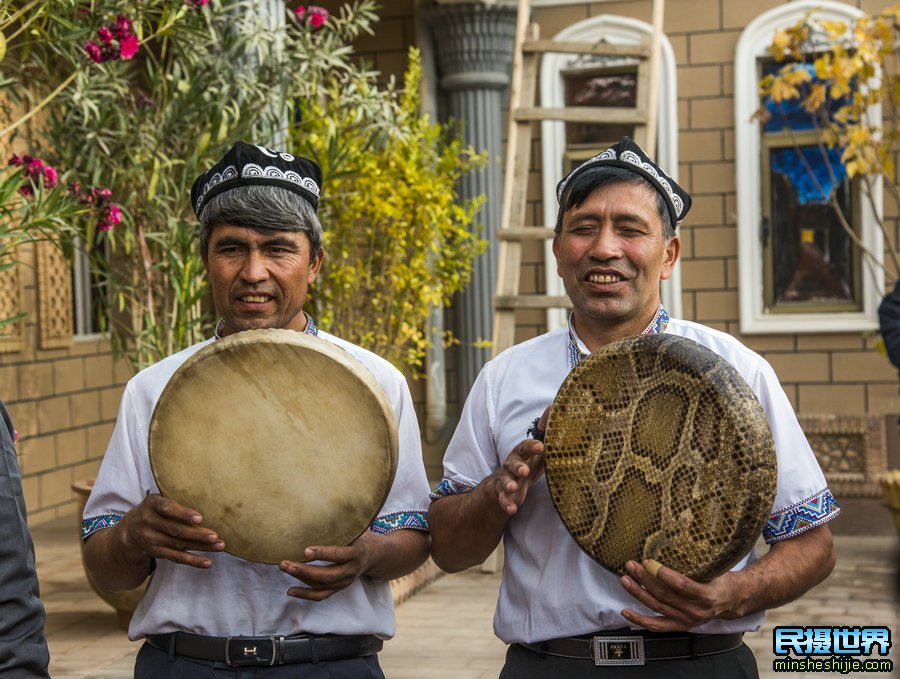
x: 261, y: 244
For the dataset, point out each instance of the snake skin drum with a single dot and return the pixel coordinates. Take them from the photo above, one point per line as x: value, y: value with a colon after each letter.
x: 656, y: 448
x: 281, y: 440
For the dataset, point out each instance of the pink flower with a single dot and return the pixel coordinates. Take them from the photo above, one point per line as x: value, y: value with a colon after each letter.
x: 317, y: 16
x: 123, y: 26
x: 105, y: 35
x: 36, y: 170
x: 112, y: 217
x: 114, y: 214
x: 101, y: 193
x: 35, y: 167
x: 51, y: 177
x: 300, y: 12
x: 15, y: 435
x: 128, y: 46
x: 94, y: 52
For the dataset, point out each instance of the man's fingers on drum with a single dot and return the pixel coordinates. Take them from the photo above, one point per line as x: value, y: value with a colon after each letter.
x: 675, y: 581
x: 678, y: 613
x: 173, y: 510
x: 182, y: 557
x: 183, y: 539
x: 317, y: 577
x: 509, y: 507
x: 332, y: 554
x: 671, y: 586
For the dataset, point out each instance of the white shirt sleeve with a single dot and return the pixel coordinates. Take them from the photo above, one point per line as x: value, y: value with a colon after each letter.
x: 124, y: 478
x: 802, y: 499
x: 472, y: 453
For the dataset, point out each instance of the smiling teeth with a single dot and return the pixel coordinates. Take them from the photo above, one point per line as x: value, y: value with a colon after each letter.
x: 597, y: 278
x: 255, y: 298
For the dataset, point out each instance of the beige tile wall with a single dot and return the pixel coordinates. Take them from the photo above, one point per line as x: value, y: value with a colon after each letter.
x: 63, y: 403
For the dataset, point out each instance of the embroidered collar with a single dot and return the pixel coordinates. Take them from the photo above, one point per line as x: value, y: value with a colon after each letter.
x: 311, y: 328
x: 578, y: 350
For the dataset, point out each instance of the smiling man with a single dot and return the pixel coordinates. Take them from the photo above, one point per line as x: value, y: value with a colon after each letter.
x: 615, y: 242
x: 206, y: 612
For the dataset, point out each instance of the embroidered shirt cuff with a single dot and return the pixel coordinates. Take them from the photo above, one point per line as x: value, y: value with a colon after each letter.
x: 449, y: 486
x: 95, y: 523
x: 800, y: 517
x: 387, y: 523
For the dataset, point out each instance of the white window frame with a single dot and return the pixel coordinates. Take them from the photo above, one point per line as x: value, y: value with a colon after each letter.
x: 617, y: 30
x: 751, y: 47
x: 82, y: 297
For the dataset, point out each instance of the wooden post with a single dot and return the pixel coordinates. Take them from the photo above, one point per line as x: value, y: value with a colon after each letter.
x: 653, y: 84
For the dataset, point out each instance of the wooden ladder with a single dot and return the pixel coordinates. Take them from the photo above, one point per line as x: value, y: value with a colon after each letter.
x: 513, y: 231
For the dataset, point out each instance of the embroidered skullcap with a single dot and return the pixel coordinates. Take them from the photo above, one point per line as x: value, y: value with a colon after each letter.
x: 627, y: 154
x: 249, y: 165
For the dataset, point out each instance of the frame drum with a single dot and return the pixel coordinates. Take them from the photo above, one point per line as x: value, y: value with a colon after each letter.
x: 281, y: 440
x: 656, y: 448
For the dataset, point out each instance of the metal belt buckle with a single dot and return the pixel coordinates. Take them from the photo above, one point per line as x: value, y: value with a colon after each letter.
x: 618, y: 650
x: 247, y: 651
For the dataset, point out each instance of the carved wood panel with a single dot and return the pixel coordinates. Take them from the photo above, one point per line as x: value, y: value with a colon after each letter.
x: 12, y: 335
x: 852, y: 450
x: 55, y: 320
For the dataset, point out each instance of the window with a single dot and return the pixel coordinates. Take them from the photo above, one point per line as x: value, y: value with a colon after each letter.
x: 576, y: 81
x: 87, y: 298
x: 799, y: 268
x: 810, y: 263
x: 602, y: 88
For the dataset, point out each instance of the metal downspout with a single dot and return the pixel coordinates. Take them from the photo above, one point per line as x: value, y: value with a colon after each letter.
x: 435, y: 364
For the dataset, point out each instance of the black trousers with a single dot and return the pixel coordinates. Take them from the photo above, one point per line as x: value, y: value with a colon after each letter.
x: 523, y: 663
x: 153, y: 663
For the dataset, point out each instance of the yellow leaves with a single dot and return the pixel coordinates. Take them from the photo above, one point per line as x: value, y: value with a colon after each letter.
x: 816, y: 97
x: 781, y: 90
x: 399, y: 238
x: 834, y: 29
x: 852, y: 67
x: 780, y: 42
x: 796, y: 76
x: 858, y: 136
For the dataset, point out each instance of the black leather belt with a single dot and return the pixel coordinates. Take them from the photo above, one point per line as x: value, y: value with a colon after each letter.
x: 635, y: 647
x: 267, y: 650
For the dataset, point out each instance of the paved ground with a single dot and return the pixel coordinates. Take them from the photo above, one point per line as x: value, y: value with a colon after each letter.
x: 444, y: 631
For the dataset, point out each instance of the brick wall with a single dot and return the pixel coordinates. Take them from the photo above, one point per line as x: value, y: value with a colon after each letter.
x: 63, y: 403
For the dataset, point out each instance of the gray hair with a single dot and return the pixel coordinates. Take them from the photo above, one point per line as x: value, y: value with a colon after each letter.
x: 584, y: 185
x: 264, y: 208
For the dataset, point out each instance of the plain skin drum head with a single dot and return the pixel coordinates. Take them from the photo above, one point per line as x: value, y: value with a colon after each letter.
x: 656, y: 448
x: 281, y: 440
